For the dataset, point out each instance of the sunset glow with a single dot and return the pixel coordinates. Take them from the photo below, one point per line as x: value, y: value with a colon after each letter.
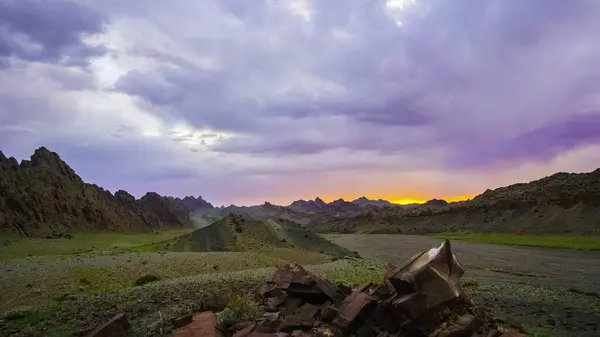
x: 406, y: 201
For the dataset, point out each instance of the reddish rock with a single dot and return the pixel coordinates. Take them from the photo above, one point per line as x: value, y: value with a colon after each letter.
x: 203, y: 325
x: 354, y: 305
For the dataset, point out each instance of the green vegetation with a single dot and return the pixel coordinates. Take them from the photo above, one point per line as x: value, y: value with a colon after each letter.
x: 32, y: 280
x: 15, y: 247
x: 589, y: 242
x: 146, y: 279
x: 239, y: 309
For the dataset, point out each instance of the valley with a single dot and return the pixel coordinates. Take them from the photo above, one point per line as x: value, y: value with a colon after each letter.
x: 72, y: 254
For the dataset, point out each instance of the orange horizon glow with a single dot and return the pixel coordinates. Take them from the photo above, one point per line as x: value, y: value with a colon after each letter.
x: 409, y: 200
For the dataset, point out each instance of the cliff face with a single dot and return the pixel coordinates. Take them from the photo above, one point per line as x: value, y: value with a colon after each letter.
x: 44, y: 194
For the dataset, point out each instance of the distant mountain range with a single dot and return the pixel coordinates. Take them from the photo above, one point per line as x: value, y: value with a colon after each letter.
x: 44, y: 195
x: 563, y: 203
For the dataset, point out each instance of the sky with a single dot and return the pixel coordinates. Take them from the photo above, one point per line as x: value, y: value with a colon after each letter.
x: 245, y: 101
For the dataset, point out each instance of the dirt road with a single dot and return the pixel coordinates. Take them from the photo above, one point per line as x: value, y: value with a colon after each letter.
x: 551, y: 290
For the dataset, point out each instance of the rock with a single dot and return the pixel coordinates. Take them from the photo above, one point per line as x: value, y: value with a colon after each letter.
x: 358, y: 303
x: 217, y: 303
x: 203, y: 324
x: 511, y: 334
x: 182, y: 321
x: 240, y: 326
x: 118, y: 326
x: 294, y: 322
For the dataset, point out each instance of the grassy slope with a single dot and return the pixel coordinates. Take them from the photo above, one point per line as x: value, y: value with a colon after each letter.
x: 234, y: 233
x: 589, y: 242
x: 14, y: 247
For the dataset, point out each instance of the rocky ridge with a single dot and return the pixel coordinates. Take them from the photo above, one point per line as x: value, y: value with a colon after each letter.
x: 44, y: 195
x: 563, y: 203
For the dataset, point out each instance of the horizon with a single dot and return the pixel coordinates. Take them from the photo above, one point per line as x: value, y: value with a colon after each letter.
x: 403, y: 100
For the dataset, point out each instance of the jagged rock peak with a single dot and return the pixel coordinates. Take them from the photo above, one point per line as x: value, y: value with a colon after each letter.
x: 124, y: 196
x: 319, y: 201
x: 43, y: 155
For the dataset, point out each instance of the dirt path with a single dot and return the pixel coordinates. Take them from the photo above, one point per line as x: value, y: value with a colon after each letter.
x: 551, y: 281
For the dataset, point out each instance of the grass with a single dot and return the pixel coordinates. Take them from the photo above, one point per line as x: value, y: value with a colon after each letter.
x: 15, y: 247
x: 166, y: 299
x: 239, y: 309
x: 590, y: 242
x: 42, y: 279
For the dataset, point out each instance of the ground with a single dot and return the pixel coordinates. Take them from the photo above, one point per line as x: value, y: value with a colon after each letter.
x: 548, y: 290
x: 54, y: 287
x: 94, y: 277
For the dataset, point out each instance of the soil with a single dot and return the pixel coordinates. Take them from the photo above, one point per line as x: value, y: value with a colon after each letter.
x: 547, y: 290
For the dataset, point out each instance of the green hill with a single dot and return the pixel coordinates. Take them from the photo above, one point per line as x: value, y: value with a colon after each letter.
x: 236, y: 233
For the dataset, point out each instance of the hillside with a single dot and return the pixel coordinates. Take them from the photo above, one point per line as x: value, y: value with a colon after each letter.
x: 564, y: 203
x: 236, y: 233
x: 44, y: 195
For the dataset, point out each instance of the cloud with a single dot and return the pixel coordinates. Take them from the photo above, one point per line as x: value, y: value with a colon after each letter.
x: 48, y: 31
x: 231, y: 98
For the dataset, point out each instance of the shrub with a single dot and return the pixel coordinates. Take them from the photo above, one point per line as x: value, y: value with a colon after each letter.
x: 25, y: 317
x: 146, y: 279
x: 85, y: 281
x: 240, y: 308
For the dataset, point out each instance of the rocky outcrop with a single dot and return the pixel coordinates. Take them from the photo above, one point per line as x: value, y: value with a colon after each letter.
x: 44, y: 194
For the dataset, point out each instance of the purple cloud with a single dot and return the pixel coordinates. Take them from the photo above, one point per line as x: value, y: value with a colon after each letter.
x: 48, y: 31
x: 210, y: 90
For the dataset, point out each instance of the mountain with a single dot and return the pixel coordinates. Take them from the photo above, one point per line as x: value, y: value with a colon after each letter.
x: 193, y: 203
x: 364, y: 201
x: 563, y: 203
x: 205, y: 217
x: 310, y: 206
x: 236, y: 233
x: 44, y: 195
x: 336, y: 207
x: 436, y: 202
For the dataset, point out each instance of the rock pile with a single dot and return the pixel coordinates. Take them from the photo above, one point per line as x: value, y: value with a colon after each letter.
x: 421, y: 298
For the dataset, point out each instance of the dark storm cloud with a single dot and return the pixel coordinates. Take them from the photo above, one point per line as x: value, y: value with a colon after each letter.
x: 48, y: 31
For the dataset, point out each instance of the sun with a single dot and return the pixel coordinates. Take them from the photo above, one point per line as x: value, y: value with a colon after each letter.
x: 397, y: 7
x: 399, y: 4
x: 408, y: 201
